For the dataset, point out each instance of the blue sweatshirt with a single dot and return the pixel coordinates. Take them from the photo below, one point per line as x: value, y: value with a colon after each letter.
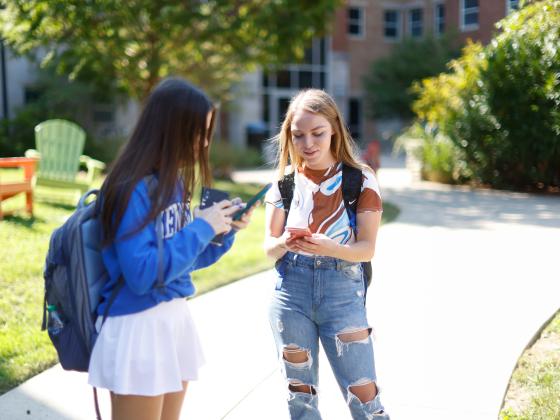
x: 135, y: 257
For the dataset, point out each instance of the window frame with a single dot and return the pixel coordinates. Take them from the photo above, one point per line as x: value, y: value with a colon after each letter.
x: 438, y: 20
x: 270, y: 92
x: 360, y: 22
x: 410, y: 26
x: 463, y: 13
x: 509, y: 9
x: 398, y: 25
x: 359, y: 127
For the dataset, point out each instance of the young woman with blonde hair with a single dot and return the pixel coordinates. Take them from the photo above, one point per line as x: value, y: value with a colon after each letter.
x: 320, y: 290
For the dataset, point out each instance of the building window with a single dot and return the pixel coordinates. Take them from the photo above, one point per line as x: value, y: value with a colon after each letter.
x: 355, y: 118
x: 103, y: 113
x: 512, y: 5
x: 31, y: 94
x: 469, y: 15
x: 415, y: 23
x: 265, y: 116
x: 439, y: 19
x: 356, y: 27
x: 391, y: 24
x: 282, y: 83
x: 309, y: 74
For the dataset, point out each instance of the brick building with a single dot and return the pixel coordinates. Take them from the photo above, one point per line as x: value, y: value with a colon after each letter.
x: 363, y: 31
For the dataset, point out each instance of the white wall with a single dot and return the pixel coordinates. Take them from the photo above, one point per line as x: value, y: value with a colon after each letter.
x: 245, y: 107
x: 20, y: 72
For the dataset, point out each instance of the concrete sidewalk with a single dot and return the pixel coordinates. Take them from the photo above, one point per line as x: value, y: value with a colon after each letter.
x: 462, y: 281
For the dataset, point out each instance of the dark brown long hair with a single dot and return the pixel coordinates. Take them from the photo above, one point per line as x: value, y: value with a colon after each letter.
x: 169, y: 138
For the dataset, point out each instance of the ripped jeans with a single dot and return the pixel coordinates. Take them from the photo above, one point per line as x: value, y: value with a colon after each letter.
x: 322, y: 298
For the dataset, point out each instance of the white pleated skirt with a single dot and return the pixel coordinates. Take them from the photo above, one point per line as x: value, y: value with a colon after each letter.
x: 147, y: 353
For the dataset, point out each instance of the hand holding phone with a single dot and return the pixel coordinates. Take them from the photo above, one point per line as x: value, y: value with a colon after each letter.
x: 209, y: 197
x: 258, y: 196
x: 296, y: 233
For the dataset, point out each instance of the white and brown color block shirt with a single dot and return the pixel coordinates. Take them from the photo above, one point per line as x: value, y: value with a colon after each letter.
x: 318, y: 202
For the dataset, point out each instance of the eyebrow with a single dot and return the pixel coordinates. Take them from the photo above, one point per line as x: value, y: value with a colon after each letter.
x: 313, y: 129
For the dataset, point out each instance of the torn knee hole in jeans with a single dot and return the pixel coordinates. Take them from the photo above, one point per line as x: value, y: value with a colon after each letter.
x: 365, y: 390
x: 349, y: 336
x: 297, y: 357
x: 295, y: 385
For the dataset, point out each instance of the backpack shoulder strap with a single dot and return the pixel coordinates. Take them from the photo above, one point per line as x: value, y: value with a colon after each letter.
x: 286, y: 187
x: 351, y: 187
x: 352, y: 179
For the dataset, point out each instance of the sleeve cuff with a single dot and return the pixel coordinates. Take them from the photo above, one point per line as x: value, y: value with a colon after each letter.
x: 204, y: 229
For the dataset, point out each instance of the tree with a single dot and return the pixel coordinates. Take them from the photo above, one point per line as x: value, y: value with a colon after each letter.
x: 132, y: 45
x: 389, y: 81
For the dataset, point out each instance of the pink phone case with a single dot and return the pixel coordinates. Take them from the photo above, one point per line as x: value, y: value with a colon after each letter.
x: 298, y: 232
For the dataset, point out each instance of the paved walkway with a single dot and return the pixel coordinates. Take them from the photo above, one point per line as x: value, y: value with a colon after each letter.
x: 462, y: 281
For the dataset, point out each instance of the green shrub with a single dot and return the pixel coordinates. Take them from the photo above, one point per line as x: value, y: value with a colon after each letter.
x: 438, y: 155
x: 56, y: 97
x: 500, y: 104
x: 225, y: 157
x: 105, y: 150
x: 522, y: 87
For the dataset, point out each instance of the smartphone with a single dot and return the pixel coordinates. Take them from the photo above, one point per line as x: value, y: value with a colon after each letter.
x: 258, y: 196
x: 296, y: 233
x: 208, y: 197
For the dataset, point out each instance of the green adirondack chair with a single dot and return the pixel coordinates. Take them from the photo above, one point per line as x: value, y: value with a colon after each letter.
x: 60, y: 144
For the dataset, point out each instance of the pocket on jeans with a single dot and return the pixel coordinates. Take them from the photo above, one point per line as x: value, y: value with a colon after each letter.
x: 279, y: 266
x: 353, y: 272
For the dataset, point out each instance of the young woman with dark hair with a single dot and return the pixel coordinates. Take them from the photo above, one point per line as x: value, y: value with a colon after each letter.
x: 148, y: 349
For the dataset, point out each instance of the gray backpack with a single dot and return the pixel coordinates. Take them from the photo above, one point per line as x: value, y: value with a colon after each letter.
x: 74, y: 277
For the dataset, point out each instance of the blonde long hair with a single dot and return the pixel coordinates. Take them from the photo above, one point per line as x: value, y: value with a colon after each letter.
x: 317, y: 101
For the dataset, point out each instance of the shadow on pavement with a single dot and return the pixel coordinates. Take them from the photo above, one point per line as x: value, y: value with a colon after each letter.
x: 466, y: 209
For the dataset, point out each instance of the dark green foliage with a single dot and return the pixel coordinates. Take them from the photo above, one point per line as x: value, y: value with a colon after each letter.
x: 522, y: 89
x: 56, y: 98
x: 389, y: 80
x: 500, y: 105
x: 225, y: 157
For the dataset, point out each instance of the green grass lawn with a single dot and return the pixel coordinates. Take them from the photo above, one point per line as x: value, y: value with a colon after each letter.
x: 24, y: 349
x: 534, y: 389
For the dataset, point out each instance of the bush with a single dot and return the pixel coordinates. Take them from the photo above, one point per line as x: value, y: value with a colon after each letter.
x: 500, y: 105
x: 105, y: 150
x: 224, y: 158
x: 440, y: 160
x: 56, y: 98
x: 522, y: 87
x: 389, y: 80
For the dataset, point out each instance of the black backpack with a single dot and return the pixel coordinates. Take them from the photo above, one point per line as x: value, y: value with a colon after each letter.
x: 351, y: 188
